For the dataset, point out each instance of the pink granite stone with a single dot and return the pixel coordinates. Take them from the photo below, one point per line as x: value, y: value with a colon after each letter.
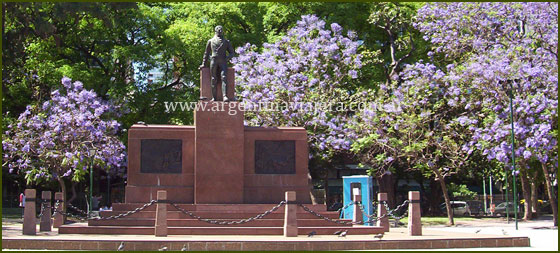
x: 58, y: 218
x: 45, y: 224
x: 381, y: 211
x: 290, y: 215
x: 414, y: 223
x: 29, y: 218
x: 161, y: 214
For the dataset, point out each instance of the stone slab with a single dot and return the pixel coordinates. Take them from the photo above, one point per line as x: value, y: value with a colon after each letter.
x: 219, y: 146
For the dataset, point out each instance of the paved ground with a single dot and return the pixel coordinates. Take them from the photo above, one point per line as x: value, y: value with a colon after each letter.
x: 542, y: 235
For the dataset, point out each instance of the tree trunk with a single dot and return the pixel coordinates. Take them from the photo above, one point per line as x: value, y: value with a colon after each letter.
x: 526, y: 195
x: 534, y: 198
x: 63, y: 190
x: 74, y: 194
x: 551, y: 195
x: 439, y: 178
x: 386, y: 184
x: 310, y: 184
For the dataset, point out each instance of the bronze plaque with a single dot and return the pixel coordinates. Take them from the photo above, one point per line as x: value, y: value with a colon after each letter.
x: 275, y: 157
x: 161, y: 156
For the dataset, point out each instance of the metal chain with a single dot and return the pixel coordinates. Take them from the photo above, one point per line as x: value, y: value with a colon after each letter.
x: 222, y: 222
x: 390, y: 212
x: 84, y: 213
x: 344, y: 207
x: 364, y: 211
x: 55, y: 211
x: 42, y: 210
x: 127, y: 213
x: 82, y: 218
x: 305, y: 208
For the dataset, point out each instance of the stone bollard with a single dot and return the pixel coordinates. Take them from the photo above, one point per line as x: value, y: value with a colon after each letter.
x: 357, y: 215
x: 290, y: 215
x: 414, y: 223
x: 58, y: 217
x: 29, y: 213
x: 161, y: 214
x: 381, y: 211
x: 45, y: 224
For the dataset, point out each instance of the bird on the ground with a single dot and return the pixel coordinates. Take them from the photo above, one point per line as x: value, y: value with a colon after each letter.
x: 163, y: 249
x: 311, y: 234
x: 343, y: 234
x: 121, y: 247
x: 184, y: 247
x: 338, y: 232
x: 504, y: 232
x: 378, y: 236
x: 478, y: 231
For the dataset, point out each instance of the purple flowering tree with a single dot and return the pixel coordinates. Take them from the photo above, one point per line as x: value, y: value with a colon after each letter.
x: 305, y: 76
x: 493, y: 46
x: 413, y: 126
x: 63, y: 137
x: 305, y: 73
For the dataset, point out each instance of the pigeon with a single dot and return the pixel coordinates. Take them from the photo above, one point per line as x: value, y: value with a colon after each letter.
x: 338, y: 232
x: 163, y: 249
x: 184, y: 247
x: 343, y: 234
x: 121, y: 247
x: 504, y: 232
x: 311, y: 234
x: 378, y: 236
x: 478, y: 231
x: 142, y: 123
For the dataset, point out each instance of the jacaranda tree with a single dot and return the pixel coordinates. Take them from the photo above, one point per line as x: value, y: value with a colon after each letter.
x: 494, y: 47
x: 63, y: 137
x: 413, y: 125
x: 303, y: 73
x: 305, y: 78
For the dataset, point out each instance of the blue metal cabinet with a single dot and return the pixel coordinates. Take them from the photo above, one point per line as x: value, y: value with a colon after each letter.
x: 365, y: 183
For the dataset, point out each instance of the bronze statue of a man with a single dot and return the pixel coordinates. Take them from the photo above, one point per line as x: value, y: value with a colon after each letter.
x: 220, y: 51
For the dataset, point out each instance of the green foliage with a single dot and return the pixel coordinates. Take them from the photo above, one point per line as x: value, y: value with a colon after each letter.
x: 460, y: 192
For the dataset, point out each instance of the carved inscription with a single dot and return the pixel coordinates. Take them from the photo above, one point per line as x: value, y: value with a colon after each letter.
x: 275, y: 157
x: 161, y: 156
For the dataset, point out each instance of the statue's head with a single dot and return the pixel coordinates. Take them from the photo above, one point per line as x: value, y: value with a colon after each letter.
x: 219, y: 30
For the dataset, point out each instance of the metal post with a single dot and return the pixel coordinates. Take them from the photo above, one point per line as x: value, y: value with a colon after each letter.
x: 484, y: 193
x: 513, y: 153
x: 491, y: 196
x: 507, y: 198
x: 90, y: 188
x: 108, y: 190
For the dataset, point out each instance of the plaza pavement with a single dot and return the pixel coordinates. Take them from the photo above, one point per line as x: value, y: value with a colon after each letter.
x: 441, y: 234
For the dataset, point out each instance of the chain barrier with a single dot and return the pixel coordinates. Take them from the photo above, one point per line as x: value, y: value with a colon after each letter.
x: 344, y: 207
x: 371, y: 218
x: 390, y: 212
x: 222, y: 222
x: 305, y: 208
x: 42, y: 209
x: 85, y: 216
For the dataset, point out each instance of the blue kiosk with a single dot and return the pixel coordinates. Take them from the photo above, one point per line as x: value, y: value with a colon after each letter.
x: 365, y: 184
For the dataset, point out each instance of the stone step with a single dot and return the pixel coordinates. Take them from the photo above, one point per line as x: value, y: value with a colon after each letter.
x: 216, y: 207
x: 197, y: 223
x: 82, y: 228
x: 219, y: 215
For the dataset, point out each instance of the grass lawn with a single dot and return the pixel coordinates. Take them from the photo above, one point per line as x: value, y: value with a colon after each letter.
x: 442, y: 220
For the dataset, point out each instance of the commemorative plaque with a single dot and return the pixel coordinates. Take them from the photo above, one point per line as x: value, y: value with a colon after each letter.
x: 275, y: 157
x: 161, y: 156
